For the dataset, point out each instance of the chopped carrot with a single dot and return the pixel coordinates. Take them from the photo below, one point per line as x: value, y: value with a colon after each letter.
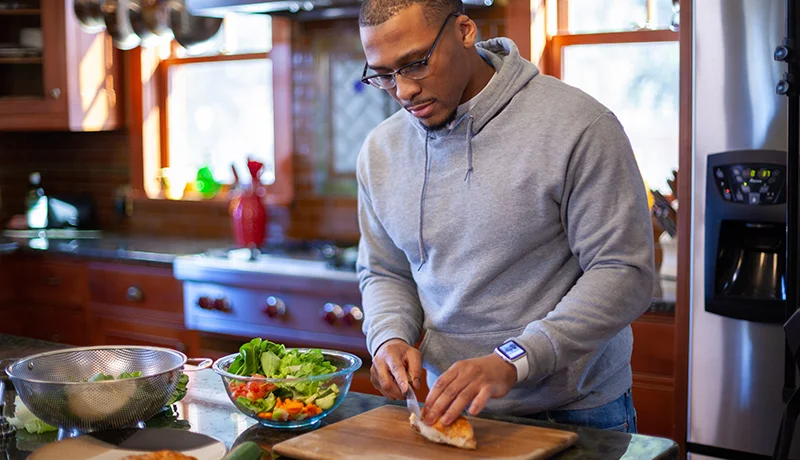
x: 265, y: 415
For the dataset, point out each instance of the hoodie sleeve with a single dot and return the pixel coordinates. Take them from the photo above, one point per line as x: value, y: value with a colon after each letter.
x: 605, y: 214
x: 390, y: 301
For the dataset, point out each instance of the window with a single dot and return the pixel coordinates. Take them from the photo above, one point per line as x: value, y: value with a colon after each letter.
x: 625, y: 54
x: 219, y: 105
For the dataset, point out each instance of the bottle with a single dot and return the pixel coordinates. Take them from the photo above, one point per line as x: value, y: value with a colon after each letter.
x: 248, y: 211
x: 36, y: 203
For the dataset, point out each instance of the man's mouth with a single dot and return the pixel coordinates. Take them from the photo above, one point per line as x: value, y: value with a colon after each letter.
x: 423, y: 110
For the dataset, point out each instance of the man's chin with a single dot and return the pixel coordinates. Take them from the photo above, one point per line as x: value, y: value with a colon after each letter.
x: 438, y: 124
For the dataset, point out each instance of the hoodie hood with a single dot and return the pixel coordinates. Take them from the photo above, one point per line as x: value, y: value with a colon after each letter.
x: 512, y: 74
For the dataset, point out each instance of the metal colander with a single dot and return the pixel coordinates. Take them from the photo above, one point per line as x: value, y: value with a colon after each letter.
x: 53, y: 385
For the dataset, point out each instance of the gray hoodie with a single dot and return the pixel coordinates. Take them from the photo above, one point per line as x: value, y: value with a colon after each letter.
x: 527, y: 219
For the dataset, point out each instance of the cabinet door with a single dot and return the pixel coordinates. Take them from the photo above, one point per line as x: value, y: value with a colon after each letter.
x: 54, y: 75
x: 32, y: 65
x: 11, y: 321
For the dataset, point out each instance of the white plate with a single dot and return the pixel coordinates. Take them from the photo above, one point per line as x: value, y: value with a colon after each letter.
x: 118, y: 444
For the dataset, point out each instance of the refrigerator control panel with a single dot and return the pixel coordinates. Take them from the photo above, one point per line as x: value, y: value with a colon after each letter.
x: 753, y: 184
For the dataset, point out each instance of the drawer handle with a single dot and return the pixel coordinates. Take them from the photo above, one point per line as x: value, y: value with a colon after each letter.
x: 275, y: 307
x: 332, y: 313
x: 52, y: 281
x: 134, y: 294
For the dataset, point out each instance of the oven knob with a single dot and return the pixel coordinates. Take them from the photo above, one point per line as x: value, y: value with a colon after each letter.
x: 275, y: 307
x: 333, y: 313
x: 222, y: 304
x: 204, y: 303
x: 354, y: 315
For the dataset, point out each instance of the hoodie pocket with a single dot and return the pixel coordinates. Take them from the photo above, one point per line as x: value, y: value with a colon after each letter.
x: 441, y: 349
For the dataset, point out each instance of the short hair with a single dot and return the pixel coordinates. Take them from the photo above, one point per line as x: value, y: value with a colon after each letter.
x: 375, y: 12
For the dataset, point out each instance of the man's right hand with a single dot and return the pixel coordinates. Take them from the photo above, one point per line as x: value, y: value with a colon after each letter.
x: 395, y: 364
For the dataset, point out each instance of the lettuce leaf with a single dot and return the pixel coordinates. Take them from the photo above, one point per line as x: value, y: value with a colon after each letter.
x: 24, y: 419
x: 180, y: 390
x: 259, y: 405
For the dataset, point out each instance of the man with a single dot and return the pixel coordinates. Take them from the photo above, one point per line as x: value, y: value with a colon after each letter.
x: 501, y: 210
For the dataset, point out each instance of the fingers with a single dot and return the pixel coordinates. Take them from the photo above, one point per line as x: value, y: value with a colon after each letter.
x: 459, y: 404
x: 480, y: 401
x: 444, y: 391
x: 414, y: 366
x: 383, y: 381
x: 397, y: 366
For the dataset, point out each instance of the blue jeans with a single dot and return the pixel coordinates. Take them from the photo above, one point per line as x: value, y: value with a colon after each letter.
x: 618, y: 415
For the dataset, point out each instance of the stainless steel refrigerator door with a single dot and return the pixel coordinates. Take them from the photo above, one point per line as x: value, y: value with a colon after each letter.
x: 736, y: 367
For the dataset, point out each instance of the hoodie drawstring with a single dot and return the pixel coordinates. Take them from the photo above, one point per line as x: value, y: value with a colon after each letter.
x: 422, y: 257
x: 470, y: 120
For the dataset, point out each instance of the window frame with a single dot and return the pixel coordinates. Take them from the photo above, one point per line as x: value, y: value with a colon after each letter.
x: 563, y: 38
x: 148, y: 76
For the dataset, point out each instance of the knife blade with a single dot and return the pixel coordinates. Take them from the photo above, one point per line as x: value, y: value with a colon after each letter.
x: 411, y: 402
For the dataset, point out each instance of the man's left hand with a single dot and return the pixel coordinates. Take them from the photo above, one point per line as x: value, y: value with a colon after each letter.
x: 469, y: 381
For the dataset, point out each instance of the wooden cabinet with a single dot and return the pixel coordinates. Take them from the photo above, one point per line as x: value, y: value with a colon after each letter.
x: 51, y: 299
x: 53, y: 75
x: 138, y: 305
x: 653, y: 363
x: 10, y: 320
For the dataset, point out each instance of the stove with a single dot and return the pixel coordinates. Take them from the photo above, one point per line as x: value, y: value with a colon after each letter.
x: 299, y: 293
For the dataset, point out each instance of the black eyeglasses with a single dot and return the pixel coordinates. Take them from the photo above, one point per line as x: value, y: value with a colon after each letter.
x: 416, y: 70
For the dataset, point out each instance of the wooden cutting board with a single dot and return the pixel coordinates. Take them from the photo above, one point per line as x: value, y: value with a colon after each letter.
x: 386, y: 433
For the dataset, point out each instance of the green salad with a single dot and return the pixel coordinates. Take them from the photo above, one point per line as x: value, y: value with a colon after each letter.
x: 286, y: 400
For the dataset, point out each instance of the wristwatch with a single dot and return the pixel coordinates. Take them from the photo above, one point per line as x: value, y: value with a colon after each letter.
x: 513, y: 353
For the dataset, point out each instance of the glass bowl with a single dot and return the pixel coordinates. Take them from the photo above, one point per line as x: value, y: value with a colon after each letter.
x: 266, y: 400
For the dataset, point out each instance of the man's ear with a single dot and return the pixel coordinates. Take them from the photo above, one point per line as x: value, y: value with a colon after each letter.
x: 468, y: 31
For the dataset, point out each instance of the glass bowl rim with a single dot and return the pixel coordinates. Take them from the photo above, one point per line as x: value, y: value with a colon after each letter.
x: 355, y: 364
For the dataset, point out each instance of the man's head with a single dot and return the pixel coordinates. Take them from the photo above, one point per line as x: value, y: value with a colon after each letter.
x: 396, y: 33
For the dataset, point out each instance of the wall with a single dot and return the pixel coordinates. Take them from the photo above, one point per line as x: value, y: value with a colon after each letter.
x: 98, y: 163
x: 70, y: 163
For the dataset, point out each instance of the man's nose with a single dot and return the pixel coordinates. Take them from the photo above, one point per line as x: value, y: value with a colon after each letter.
x: 407, y: 88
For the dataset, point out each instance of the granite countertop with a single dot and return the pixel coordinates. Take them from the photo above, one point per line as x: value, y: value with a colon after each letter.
x: 93, y: 244
x: 206, y: 409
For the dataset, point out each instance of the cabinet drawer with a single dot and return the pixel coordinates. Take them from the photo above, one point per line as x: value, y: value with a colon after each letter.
x: 57, y: 325
x: 53, y: 283
x: 653, y: 347
x: 113, y: 331
x: 303, y: 318
x: 150, y: 291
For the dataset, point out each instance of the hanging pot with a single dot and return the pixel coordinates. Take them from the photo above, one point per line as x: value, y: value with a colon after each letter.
x: 191, y: 30
x: 155, y: 14
x: 90, y: 15
x: 139, y: 26
x: 118, y: 24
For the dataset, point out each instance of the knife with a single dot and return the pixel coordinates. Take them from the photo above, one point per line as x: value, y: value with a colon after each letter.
x: 411, y: 402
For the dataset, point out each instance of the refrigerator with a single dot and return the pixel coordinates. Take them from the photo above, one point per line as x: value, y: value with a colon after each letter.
x: 736, y: 355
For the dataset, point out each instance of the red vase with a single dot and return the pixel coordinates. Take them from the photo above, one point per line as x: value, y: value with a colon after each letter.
x: 248, y: 212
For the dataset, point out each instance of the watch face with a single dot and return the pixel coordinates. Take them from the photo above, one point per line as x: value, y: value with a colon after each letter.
x: 511, y: 350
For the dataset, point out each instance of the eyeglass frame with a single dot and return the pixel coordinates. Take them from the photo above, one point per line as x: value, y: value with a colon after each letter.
x: 424, y: 61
